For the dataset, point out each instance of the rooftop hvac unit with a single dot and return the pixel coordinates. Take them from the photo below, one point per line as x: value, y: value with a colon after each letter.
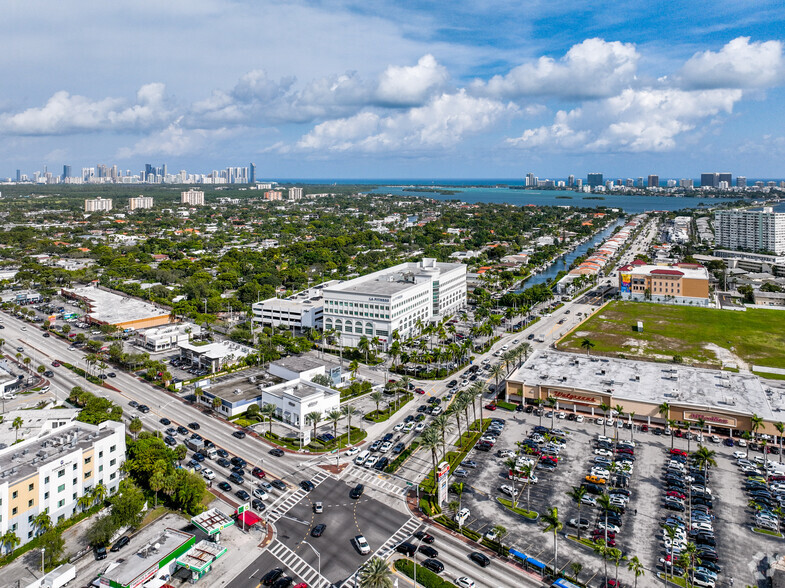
x: 238, y: 391
x: 602, y: 372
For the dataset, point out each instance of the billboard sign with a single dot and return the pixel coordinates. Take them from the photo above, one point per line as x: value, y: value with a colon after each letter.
x: 442, y: 481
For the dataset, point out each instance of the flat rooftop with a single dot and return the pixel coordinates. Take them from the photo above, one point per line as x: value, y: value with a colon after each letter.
x: 34, y: 422
x: 147, y: 556
x: 395, y: 279
x: 218, y: 349
x: 302, y: 363
x: 111, y: 308
x: 19, y: 461
x: 244, y: 385
x: 212, y: 521
x: 650, y: 382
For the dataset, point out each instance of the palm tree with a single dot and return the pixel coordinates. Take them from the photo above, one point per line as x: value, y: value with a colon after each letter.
x: 354, y: 367
x: 135, y: 426
x: 99, y: 492
x: 334, y: 417
x: 577, y: 493
x: 747, y: 437
x: 457, y: 489
x: 430, y: 440
x: 349, y: 411
x: 701, y: 424
x: 377, y: 397
x: 268, y: 411
x: 314, y: 418
x: 631, y: 416
x: 198, y: 393
x: 157, y: 482
x: 17, y: 424
x: 551, y: 403
x: 455, y: 410
x: 364, y: 346
x: 670, y: 531
x: 616, y: 556
x: 497, y: 371
x: 553, y: 524
x: 42, y: 521
x: 217, y: 403
x: 10, y: 540
x: 442, y: 424
x: 636, y: 567
x: 604, y: 504
x: 376, y: 574
x: 619, y: 412
x: 576, y: 568
x: 780, y: 429
x: 605, y: 408
x: 587, y: 344
x: 757, y: 423
x: 664, y: 410
x: 704, y: 458
x: 475, y: 393
x: 671, y: 426
x: 510, y: 464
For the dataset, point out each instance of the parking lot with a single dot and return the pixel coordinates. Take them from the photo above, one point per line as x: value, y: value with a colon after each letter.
x: 739, y: 550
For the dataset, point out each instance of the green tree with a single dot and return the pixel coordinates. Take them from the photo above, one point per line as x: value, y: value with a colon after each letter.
x: 101, y: 531
x: 577, y: 493
x: 127, y: 504
x: 218, y: 403
x: 53, y: 544
x: 268, y: 410
x: 501, y: 532
x: 190, y: 491
x: 42, y: 521
x: 376, y: 574
x: 377, y: 398
x: 334, y: 417
x: 636, y: 567
x: 9, y: 540
x: 348, y: 411
x: 313, y: 418
x: 135, y: 426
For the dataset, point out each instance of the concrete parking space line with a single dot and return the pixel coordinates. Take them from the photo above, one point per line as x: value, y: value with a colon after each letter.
x: 297, y: 565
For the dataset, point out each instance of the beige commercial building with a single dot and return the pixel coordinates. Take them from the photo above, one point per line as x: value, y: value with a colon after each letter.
x: 724, y: 401
x: 681, y: 283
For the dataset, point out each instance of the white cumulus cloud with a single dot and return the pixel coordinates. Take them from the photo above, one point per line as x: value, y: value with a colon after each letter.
x: 647, y: 120
x: 594, y: 68
x: 443, y: 122
x: 739, y: 64
x: 64, y: 113
x: 175, y: 140
x: 411, y: 86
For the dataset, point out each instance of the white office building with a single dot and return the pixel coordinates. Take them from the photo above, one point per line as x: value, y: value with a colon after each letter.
x: 157, y: 339
x: 750, y: 230
x: 303, y: 310
x: 296, y: 398
x: 394, y: 299
x: 295, y: 193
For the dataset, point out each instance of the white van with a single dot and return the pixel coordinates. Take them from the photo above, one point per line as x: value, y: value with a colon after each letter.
x: 360, y: 459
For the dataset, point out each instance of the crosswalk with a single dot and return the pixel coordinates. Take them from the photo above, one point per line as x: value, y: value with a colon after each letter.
x: 285, y: 502
x: 379, y: 480
x: 297, y: 565
x: 404, y: 532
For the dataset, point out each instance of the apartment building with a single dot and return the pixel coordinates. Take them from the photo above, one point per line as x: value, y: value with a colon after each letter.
x: 750, y: 230
x: 53, y: 470
x: 98, y: 204
x: 394, y: 299
x: 140, y: 202
x: 678, y: 284
x: 192, y: 197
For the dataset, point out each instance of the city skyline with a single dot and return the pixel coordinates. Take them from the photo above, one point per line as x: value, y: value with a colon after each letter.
x: 392, y: 91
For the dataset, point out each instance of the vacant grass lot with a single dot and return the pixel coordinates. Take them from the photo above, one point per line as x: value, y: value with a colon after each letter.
x: 756, y: 336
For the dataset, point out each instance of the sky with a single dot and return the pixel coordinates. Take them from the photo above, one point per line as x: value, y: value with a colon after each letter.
x: 395, y: 88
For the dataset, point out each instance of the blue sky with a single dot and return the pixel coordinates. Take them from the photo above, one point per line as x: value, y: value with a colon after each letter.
x: 351, y: 89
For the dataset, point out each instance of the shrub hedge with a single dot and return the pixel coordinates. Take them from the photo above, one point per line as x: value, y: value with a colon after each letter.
x: 425, y: 577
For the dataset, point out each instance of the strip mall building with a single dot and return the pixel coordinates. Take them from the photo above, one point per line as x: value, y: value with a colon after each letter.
x: 725, y: 401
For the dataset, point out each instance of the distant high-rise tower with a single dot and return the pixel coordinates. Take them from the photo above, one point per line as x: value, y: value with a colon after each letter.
x: 148, y: 172
x: 252, y: 178
x: 654, y: 181
x: 66, y: 172
x: 594, y: 180
x: 531, y: 180
x: 710, y: 180
x: 741, y: 181
x: 19, y: 175
x: 725, y: 177
x: 571, y: 180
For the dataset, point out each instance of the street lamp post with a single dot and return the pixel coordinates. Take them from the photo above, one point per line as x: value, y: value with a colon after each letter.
x: 43, y: 567
x: 414, y: 561
x: 318, y: 556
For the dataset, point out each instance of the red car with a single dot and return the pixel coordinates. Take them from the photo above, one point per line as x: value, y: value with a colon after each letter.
x: 678, y: 495
x: 625, y: 450
x: 645, y: 428
x: 55, y: 364
x: 490, y: 407
x: 419, y: 391
x: 599, y: 534
x: 677, y: 433
x: 301, y: 585
x: 258, y: 472
x: 675, y: 451
x: 549, y: 458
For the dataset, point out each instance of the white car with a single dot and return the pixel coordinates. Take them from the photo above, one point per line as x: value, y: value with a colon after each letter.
x: 505, y: 489
x: 462, y: 516
x: 362, y: 545
x: 386, y: 446
x: 419, y: 428
x: 208, y: 474
x: 259, y: 493
x: 741, y: 443
x: 702, y: 526
x: 603, y: 452
x: 610, y: 526
x: 600, y: 473
x: 407, y: 428
x: 579, y: 418
x: 589, y: 500
x: 398, y: 427
x: 352, y: 451
x: 368, y: 463
x: 715, y: 439
x: 464, y: 582
x: 266, y: 486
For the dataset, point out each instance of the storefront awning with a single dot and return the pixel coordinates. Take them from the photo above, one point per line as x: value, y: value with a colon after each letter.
x: 248, y: 517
